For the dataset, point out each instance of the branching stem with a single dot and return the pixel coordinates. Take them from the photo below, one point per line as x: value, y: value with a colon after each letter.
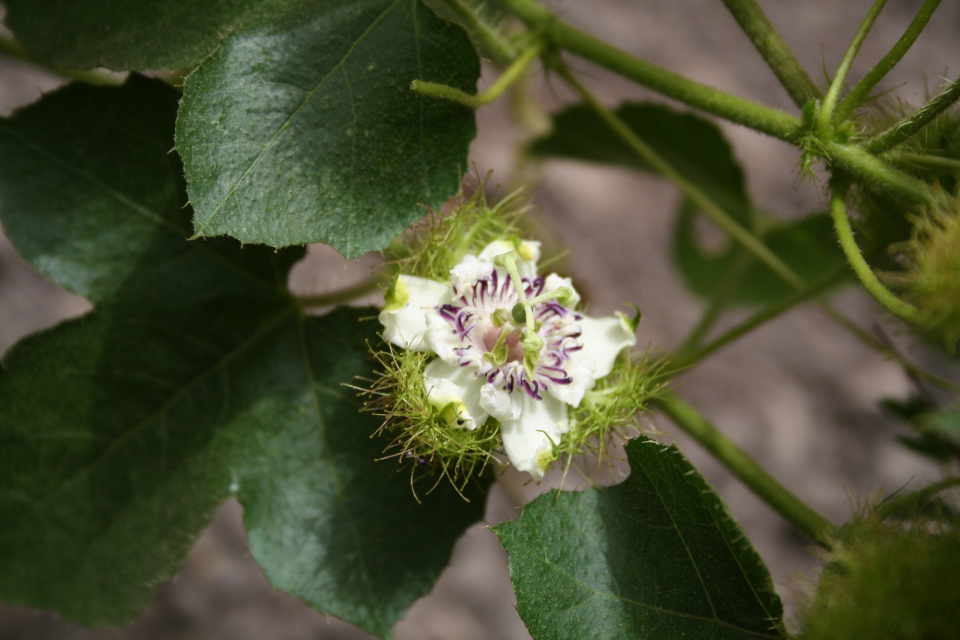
x: 774, y: 50
x: 734, y: 108
x: 825, y: 118
x: 499, y: 49
x: 867, y: 277
x: 912, y: 124
x: 860, y: 93
x: 714, y: 211
x: 508, y: 77
x: 739, y: 462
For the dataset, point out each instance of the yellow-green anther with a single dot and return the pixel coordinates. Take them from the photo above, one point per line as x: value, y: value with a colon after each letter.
x: 500, y: 317
x: 563, y: 295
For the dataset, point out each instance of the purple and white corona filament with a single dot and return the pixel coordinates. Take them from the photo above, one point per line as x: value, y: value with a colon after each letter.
x: 510, y: 344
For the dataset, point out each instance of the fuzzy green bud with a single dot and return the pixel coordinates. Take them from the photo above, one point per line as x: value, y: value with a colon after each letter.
x: 396, y: 296
x: 931, y: 280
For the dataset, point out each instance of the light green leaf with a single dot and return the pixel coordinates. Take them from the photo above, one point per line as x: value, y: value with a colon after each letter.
x: 196, y: 379
x: 658, y: 556
x: 306, y: 130
x: 130, y: 34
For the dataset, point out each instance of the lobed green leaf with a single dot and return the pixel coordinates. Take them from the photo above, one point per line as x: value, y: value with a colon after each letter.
x: 658, y: 556
x: 305, y: 129
x: 195, y: 380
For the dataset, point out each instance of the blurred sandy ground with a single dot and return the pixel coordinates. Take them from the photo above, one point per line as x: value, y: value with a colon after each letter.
x: 800, y: 394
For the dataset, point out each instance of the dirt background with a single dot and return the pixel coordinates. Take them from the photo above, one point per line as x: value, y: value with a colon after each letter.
x: 800, y: 394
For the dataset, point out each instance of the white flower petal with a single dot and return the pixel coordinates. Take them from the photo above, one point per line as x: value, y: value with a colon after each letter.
x: 499, y: 404
x: 441, y: 338
x: 553, y: 282
x: 602, y: 339
x: 407, y: 325
x: 467, y: 272
x: 527, y: 441
x: 581, y: 371
x: 446, y: 383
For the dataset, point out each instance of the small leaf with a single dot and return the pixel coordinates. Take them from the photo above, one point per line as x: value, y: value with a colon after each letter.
x: 129, y: 34
x: 306, y: 130
x: 658, y: 556
x: 196, y: 379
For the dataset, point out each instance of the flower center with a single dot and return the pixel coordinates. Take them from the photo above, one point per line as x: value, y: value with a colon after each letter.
x: 498, y: 343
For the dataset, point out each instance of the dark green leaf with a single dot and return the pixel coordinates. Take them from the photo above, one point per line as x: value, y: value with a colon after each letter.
x: 808, y: 246
x: 306, y: 130
x: 658, y: 556
x: 692, y: 145
x: 130, y: 34
x: 195, y: 379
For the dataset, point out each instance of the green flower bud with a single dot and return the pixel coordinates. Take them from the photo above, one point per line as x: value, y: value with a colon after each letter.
x: 931, y: 278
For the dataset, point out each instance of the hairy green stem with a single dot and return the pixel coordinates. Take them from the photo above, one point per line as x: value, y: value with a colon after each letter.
x: 11, y: 48
x: 716, y: 213
x: 734, y: 108
x: 825, y: 118
x: 861, y: 91
x: 508, y: 77
x: 841, y: 224
x: 913, y: 499
x: 912, y: 124
x: 924, y: 160
x: 340, y: 296
x: 792, y: 508
x: 774, y: 50
x: 868, y: 169
x: 499, y: 49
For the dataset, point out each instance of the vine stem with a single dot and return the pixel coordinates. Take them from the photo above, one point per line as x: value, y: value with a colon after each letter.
x: 340, y: 296
x: 774, y: 50
x: 841, y: 224
x: 912, y: 124
x: 774, y: 122
x: 10, y: 48
x: 825, y: 117
x: 500, y: 50
x: 851, y: 158
x: 701, y: 200
x: 755, y: 477
x: 857, y: 161
x: 860, y: 92
x: 914, y: 498
x: 514, y: 72
x: 925, y: 160
x: 749, y: 241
